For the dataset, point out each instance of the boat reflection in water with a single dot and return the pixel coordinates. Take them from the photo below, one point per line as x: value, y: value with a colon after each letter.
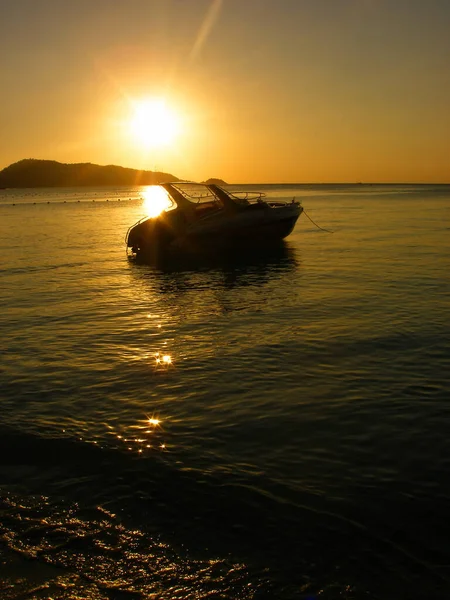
x: 234, y: 268
x: 184, y: 290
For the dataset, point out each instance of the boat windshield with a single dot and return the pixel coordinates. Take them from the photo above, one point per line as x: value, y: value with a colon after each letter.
x: 195, y: 192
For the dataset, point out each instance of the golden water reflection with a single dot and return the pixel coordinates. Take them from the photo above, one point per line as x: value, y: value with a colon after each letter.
x: 146, y: 435
x: 163, y: 360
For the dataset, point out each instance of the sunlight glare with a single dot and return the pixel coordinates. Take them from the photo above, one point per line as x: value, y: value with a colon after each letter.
x: 164, y: 360
x: 156, y: 200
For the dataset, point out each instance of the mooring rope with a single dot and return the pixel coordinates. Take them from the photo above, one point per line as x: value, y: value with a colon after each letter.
x: 314, y: 223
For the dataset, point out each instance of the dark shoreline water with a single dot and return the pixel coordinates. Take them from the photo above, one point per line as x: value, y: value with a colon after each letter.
x: 297, y: 445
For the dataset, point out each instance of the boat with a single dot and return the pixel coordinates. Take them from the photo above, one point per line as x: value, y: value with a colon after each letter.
x: 195, y: 217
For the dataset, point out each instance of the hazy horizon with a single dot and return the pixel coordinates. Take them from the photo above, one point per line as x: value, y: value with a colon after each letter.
x: 234, y: 183
x: 293, y: 91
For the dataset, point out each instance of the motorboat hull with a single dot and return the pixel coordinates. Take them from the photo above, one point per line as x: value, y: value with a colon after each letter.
x: 246, y: 228
x: 178, y: 230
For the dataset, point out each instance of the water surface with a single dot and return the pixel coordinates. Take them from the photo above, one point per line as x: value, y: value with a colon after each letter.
x: 295, y: 446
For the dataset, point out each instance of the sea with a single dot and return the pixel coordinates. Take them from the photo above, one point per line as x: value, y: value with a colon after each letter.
x: 270, y: 423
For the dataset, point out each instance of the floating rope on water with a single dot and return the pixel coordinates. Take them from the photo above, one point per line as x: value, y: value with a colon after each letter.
x: 314, y: 223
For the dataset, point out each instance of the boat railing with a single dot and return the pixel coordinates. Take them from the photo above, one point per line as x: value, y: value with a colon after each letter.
x: 255, y: 197
x: 131, y: 227
x: 246, y: 196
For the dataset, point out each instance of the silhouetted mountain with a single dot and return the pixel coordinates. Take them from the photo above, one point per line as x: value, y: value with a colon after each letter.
x: 32, y: 172
x: 215, y: 181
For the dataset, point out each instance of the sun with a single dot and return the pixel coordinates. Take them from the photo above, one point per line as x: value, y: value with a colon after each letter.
x: 153, y: 123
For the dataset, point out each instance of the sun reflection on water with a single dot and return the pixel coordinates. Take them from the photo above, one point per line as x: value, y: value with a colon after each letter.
x: 162, y: 360
x: 148, y: 437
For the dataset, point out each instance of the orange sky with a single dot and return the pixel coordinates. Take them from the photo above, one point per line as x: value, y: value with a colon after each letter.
x: 263, y: 90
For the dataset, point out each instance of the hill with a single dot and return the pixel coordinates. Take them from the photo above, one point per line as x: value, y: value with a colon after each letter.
x: 32, y: 172
x: 215, y: 181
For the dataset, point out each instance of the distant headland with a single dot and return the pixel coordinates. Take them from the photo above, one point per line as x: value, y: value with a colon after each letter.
x: 215, y: 181
x: 32, y: 172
